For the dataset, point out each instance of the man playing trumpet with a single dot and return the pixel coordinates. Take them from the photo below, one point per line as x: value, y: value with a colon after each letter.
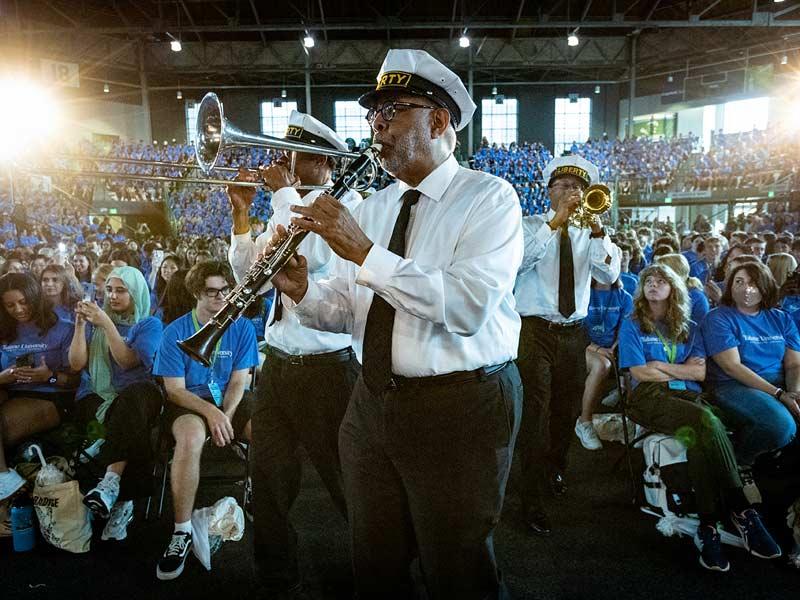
x: 307, y: 376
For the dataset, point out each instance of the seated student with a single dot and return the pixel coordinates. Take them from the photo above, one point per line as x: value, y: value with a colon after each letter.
x: 664, y: 351
x: 755, y: 348
x: 170, y: 264
x: 62, y: 290
x: 708, y: 260
x: 715, y: 289
x: 697, y: 297
x: 116, y: 386
x: 758, y: 247
x: 628, y: 279
x: 177, y: 299
x: 37, y: 388
x: 202, y: 401
x: 790, y: 296
x: 99, y: 284
x: 781, y: 265
x: 608, y: 306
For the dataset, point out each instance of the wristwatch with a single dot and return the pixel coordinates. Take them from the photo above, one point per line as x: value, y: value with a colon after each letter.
x: 599, y: 234
x: 778, y: 393
x: 54, y: 379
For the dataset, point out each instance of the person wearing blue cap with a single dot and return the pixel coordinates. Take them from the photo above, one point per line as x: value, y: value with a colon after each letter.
x: 425, y: 286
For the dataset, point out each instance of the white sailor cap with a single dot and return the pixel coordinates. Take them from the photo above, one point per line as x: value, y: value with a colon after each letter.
x: 571, y: 165
x: 417, y: 72
x: 305, y: 128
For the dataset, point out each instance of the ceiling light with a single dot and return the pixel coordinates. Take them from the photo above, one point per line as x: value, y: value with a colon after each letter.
x: 572, y: 39
x: 308, y: 40
x: 179, y: 95
x: 283, y: 93
x: 494, y: 90
x: 106, y: 89
x: 784, y: 60
x: 175, y: 45
x: 597, y: 89
x: 778, y: 1
x: 463, y: 41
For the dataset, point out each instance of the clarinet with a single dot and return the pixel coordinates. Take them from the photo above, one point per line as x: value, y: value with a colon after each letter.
x: 201, y: 345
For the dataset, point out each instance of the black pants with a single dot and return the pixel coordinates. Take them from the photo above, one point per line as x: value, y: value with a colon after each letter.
x: 552, y: 363
x: 425, y: 470
x: 128, y: 425
x: 296, y: 404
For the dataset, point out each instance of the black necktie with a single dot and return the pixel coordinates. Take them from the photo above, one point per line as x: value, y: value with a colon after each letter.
x: 377, y: 354
x: 566, y: 276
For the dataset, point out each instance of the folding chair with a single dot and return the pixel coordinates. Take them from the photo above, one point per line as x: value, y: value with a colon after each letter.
x: 623, y: 379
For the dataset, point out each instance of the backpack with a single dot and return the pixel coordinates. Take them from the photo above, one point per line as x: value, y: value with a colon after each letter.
x: 667, y: 487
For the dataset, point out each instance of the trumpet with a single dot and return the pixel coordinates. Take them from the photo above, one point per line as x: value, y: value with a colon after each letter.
x: 201, y: 345
x: 596, y: 201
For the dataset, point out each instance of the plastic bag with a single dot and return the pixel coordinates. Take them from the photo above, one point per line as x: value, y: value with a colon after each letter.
x: 212, y: 525
x: 49, y: 474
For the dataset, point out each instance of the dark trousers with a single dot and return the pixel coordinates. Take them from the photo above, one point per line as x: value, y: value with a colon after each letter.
x: 552, y: 364
x: 425, y: 471
x: 128, y: 425
x: 295, y: 404
x: 709, y: 453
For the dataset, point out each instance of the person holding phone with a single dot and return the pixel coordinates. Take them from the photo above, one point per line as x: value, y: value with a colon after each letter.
x: 37, y: 387
x: 114, y: 347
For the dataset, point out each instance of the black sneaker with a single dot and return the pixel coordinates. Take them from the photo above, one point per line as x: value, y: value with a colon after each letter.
x: 755, y: 536
x: 707, y: 540
x: 170, y: 565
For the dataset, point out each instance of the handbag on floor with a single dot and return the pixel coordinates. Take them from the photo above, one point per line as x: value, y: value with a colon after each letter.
x: 667, y: 486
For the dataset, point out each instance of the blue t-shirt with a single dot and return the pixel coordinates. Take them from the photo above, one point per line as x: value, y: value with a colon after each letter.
x: 700, y: 306
x: 237, y: 351
x: 64, y: 313
x: 637, y: 348
x: 629, y: 283
x: 691, y: 256
x: 790, y: 304
x: 700, y: 270
x: 144, y: 338
x: 607, y: 308
x: 762, y: 339
x: 53, y: 345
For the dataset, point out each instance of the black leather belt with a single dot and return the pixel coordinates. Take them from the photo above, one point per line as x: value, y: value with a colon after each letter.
x: 398, y: 381
x: 554, y: 325
x: 336, y: 356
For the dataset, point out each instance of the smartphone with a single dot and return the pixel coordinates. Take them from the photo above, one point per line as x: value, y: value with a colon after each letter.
x: 24, y: 360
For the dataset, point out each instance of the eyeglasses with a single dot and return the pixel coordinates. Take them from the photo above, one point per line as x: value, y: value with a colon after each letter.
x: 215, y: 292
x: 389, y: 109
x: 567, y: 187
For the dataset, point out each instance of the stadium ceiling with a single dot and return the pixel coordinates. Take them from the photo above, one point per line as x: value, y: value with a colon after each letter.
x: 252, y: 43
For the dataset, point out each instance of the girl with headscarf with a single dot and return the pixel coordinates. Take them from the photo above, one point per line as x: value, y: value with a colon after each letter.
x: 117, y: 386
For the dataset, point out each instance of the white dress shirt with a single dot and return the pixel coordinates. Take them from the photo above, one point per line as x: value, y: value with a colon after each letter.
x: 537, y: 282
x: 288, y: 335
x: 453, y: 294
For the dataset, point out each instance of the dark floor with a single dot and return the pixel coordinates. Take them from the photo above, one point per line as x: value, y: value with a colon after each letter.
x: 602, y: 547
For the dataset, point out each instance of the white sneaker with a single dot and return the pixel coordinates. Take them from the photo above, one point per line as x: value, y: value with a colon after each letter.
x: 91, y: 452
x: 117, y: 526
x: 639, y: 433
x: 587, y: 435
x: 102, y: 498
x: 10, y: 483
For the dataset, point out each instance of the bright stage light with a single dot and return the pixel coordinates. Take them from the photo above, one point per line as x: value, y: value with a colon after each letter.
x: 572, y: 39
x: 29, y: 116
x: 175, y: 45
x: 308, y: 41
x: 463, y: 41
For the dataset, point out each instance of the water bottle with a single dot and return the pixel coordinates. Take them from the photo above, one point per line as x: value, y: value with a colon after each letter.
x: 23, y: 524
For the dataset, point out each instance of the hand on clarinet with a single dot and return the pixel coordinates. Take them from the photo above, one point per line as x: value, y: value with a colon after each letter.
x: 331, y: 220
x: 292, y: 280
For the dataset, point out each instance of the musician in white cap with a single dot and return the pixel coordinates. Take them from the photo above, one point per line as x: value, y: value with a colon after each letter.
x: 552, y: 294
x: 425, y: 286
x: 308, y: 375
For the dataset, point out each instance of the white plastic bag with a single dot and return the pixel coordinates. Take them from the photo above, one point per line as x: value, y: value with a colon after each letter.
x: 49, y: 474
x: 212, y: 525
x: 671, y: 525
